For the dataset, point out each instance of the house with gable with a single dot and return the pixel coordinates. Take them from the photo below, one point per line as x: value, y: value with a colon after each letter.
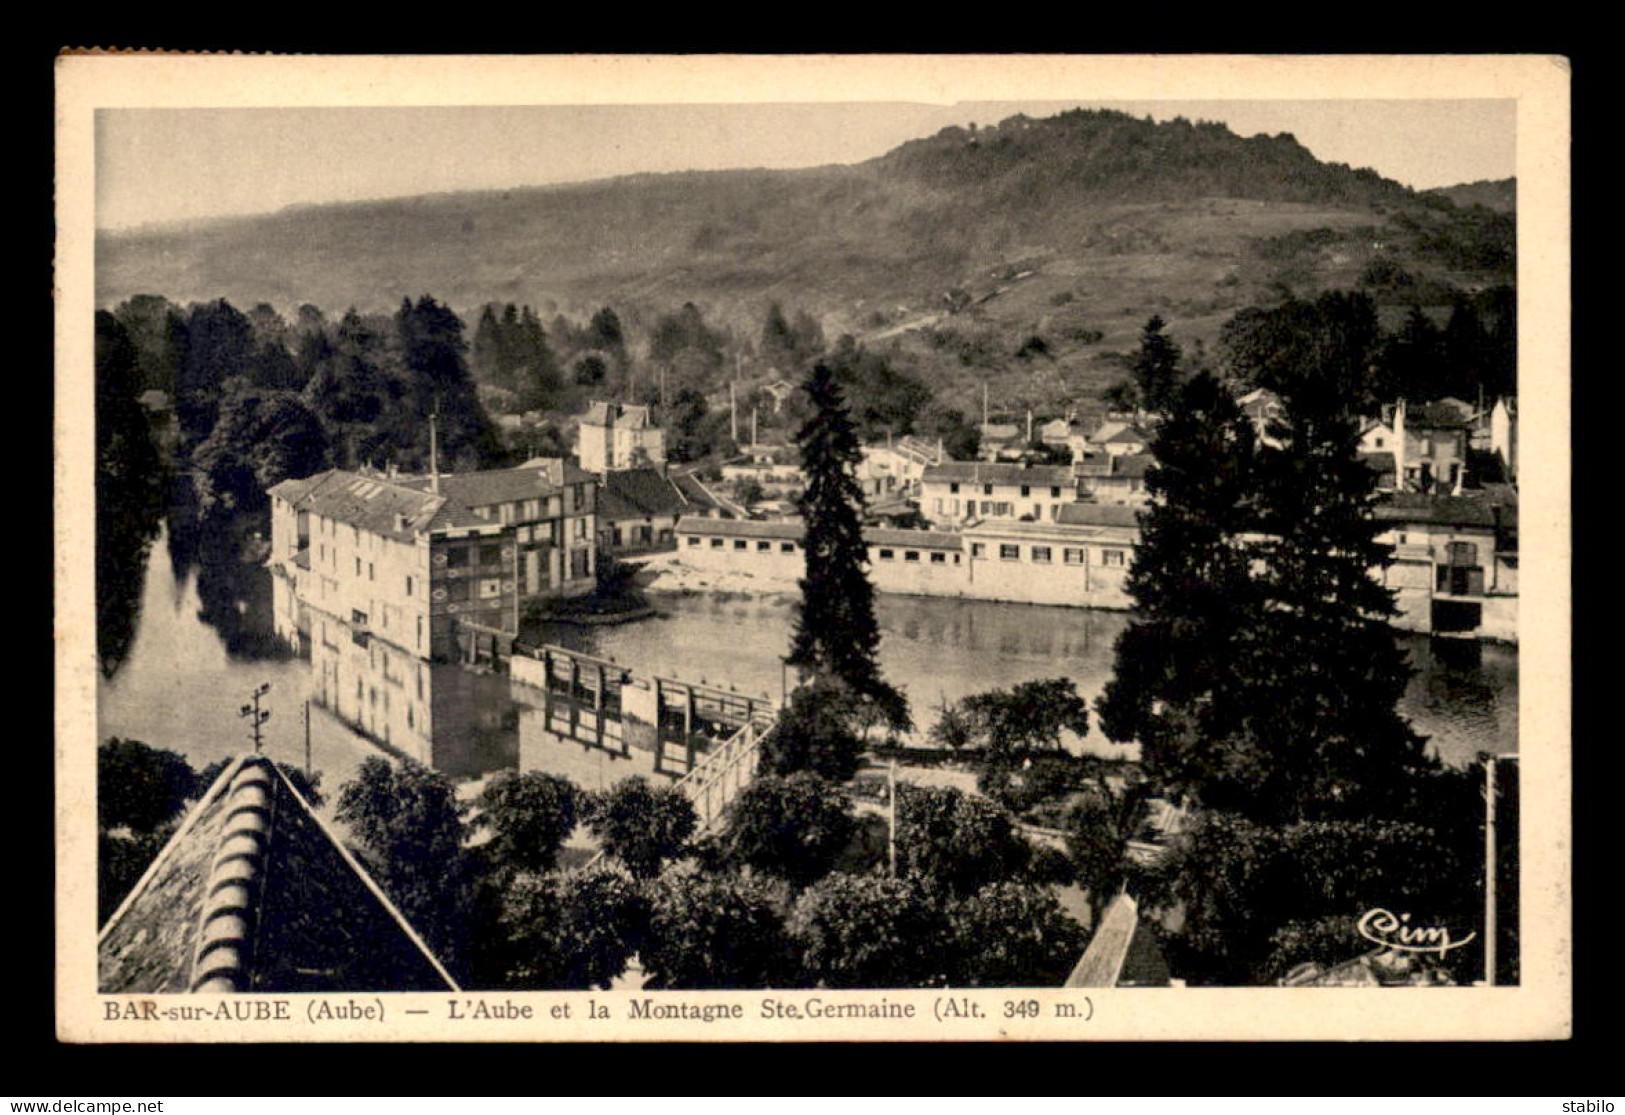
x: 254, y: 894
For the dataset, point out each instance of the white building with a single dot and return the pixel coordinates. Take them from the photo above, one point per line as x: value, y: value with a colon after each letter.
x: 615, y: 436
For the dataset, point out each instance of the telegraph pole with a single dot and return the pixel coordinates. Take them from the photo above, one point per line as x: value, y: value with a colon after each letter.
x: 891, y: 819
x: 307, y: 737
x: 256, y: 716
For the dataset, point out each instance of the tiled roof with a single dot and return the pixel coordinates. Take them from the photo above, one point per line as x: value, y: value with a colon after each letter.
x: 1440, y: 415
x: 1122, y: 952
x: 393, y: 508
x: 254, y: 893
x: 999, y: 472
x: 1129, y: 466
x: 1097, y: 515
x: 622, y: 415
x: 1000, y: 431
x: 1055, y: 532
x: 925, y: 539
x: 1380, y: 462
x: 1120, y: 433
x: 695, y: 492
x: 1479, y: 510
x: 638, y: 492
x: 741, y: 528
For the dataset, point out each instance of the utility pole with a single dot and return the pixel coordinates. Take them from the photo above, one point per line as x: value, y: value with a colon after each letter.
x: 434, y: 451
x: 256, y: 717
x: 733, y: 411
x: 307, y: 738
x: 1490, y: 865
x: 891, y: 820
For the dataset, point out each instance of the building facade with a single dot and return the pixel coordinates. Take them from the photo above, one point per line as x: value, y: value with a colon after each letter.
x: 614, y: 436
x: 955, y: 493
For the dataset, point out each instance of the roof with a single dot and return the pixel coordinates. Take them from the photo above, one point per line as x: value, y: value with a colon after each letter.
x: 1440, y: 415
x: 255, y: 893
x: 998, y: 472
x: 1122, y: 952
x: 999, y: 431
x: 624, y: 415
x: 1056, y: 532
x: 695, y: 492
x: 1380, y: 461
x: 376, y: 504
x: 1097, y: 515
x: 1479, y: 510
x: 792, y: 530
x: 1120, y: 433
x: 639, y: 492
x: 1127, y: 466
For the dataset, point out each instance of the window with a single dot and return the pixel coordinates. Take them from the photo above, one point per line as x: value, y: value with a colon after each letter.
x: 887, y: 555
x: 1009, y: 552
x: 490, y: 588
x: 987, y: 489
x: 578, y: 563
x: 1055, y: 493
x: 940, y: 559
x: 692, y: 541
x: 457, y: 590
x: 787, y: 547
x: 953, y: 489
x: 1111, y: 557
x: 420, y: 632
x: 1041, y: 553
x: 1026, y: 490
x: 358, y: 618
x: 740, y: 544
x: 370, y: 572
x: 939, y: 507
x: 764, y: 547
x: 953, y: 507
x: 490, y: 555
x: 409, y: 586
x: 716, y: 543
x: 1072, y: 556
x: 956, y: 559
x: 977, y: 549
x: 456, y: 557
x: 911, y: 555
x: 358, y: 567
x: 1378, y: 443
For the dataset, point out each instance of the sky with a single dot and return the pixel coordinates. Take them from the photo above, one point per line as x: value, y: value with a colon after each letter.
x: 178, y: 165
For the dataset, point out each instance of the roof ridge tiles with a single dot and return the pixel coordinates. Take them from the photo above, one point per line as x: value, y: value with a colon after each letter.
x: 221, y: 961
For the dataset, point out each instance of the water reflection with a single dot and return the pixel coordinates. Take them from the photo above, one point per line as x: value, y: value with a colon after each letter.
x: 205, y: 638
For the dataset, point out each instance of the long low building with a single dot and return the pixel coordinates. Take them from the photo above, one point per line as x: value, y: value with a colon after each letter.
x: 1078, y: 564
x: 1455, y: 567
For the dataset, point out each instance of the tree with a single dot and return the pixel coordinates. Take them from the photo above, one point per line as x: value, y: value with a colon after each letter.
x: 1321, y: 667
x: 814, y: 733
x: 408, y: 820
x: 140, y: 787
x: 219, y: 345
x: 1031, y: 715
x: 1011, y: 934
x: 791, y: 827
x: 953, y: 841
x: 131, y: 486
x: 836, y: 635
x: 571, y: 930
x: 711, y: 931
x: 641, y: 825
x: 1098, y: 830
x: 529, y: 817
x: 869, y: 931
x: 1172, y: 687
x: 261, y: 438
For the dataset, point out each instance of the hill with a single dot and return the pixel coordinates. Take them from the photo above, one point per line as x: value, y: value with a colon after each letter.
x: 954, y: 247
x: 1500, y: 195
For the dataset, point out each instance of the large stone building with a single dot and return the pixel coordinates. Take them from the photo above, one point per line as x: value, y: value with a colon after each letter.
x: 615, y: 436
x: 383, y: 576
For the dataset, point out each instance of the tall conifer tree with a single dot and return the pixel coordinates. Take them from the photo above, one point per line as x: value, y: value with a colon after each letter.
x: 836, y: 635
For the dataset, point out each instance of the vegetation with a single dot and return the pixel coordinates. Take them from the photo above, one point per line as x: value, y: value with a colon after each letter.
x: 836, y: 638
x: 641, y: 825
x: 793, y: 828
x: 714, y: 931
x: 529, y: 816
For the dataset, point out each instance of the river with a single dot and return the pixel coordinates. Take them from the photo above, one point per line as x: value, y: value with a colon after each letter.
x: 181, y: 688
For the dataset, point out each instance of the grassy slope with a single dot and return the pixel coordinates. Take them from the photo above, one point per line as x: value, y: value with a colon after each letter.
x: 1125, y: 217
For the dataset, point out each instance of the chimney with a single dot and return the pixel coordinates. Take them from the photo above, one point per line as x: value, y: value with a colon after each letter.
x: 400, y: 523
x: 1029, y: 425
x: 434, y: 456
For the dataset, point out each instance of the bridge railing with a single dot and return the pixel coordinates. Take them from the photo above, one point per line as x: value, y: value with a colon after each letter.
x: 717, y: 779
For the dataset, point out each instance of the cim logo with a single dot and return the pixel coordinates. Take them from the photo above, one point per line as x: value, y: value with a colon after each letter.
x: 1395, y: 931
